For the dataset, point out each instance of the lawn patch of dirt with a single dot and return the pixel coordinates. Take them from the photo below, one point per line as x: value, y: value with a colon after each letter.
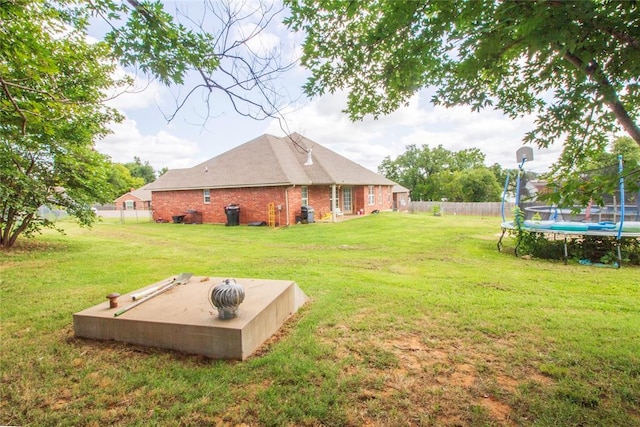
x: 410, y: 378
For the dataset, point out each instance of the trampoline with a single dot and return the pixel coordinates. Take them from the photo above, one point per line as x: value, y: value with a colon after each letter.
x: 615, y: 220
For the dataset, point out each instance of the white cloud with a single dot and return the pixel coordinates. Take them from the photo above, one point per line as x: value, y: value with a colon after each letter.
x: 162, y: 149
x: 142, y: 94
x: 262, y: 42
x: 367, y: 142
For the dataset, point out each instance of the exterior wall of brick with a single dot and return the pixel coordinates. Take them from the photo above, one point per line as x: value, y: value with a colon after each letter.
x: 320, y: 200
x: 254, y: 202
x: 382, y: 200
x: 358, y: 196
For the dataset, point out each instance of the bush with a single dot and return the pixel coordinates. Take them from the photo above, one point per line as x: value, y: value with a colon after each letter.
x: 595, y: 249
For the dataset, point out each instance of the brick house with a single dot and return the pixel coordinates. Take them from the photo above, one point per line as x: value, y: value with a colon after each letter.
x: 270, y: 179
x: 139, y: 199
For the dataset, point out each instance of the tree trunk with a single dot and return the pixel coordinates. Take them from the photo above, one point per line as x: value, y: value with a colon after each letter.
x: 623, y: 118
x: 9, y: 235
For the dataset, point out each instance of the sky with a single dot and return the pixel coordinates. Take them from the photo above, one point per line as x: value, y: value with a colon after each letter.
x: 190, y: 138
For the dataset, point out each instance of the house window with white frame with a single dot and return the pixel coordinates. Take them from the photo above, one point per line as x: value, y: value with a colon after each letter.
x: 372, y: 195
x: 206, y: 196
x: 305, y: 195
x: 129, y: 205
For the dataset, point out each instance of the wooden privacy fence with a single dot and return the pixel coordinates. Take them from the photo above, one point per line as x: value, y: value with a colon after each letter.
x: 465, y: 208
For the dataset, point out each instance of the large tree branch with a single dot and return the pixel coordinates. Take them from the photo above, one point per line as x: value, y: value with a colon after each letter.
x: 143, y: 11
x: 596, y: 24
x: 623, y: 37
x: 23, y: 117
x: 607, y: 91
x: 26, y: 220
x: 6, y: 85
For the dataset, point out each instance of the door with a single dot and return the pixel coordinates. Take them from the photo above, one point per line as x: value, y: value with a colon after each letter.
x: 347, y: 199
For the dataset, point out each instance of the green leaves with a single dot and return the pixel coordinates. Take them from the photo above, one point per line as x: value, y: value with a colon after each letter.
x: 576, y: 65
x: 152, y: 40
x: 53, y: 83
x: 596, y: 176
x: 121, y: 181
x: 437, y: 173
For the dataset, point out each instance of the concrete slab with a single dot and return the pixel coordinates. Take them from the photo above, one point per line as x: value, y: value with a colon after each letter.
x: 183, y: 319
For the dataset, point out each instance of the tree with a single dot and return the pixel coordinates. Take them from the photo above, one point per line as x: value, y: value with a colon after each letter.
x: 53, y: 83
x: 139, y: 170
x: 437, y: 173
x: 576, y: 65
x: 218, y: 45
x: 478, y: 185
x: 628, y: 149
x: 122, y: 181
x: 440, y: 187
x: 415, y: 167
x: 501, y: 175
x: 598, y: 177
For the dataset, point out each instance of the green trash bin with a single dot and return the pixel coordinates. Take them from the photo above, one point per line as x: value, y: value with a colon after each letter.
x: 233, y: 214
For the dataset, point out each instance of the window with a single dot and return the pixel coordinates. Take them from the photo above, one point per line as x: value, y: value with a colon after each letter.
x: 372, y: 195
x: 130, y: 205
x: 305, y: 195
x: 206, y: 195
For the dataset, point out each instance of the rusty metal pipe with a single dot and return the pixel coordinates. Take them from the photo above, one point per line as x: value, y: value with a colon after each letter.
x: 113, y: 299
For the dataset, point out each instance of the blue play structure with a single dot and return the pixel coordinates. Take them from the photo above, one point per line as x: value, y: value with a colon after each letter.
x: 618, y: 219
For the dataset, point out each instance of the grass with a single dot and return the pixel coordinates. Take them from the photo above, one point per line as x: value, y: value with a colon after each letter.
x: 413, y: 320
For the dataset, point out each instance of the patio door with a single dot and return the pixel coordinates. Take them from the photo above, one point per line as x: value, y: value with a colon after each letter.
x: 347, y: 197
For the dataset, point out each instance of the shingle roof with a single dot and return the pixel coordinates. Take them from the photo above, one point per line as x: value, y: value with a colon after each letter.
x: 270, y: 161
x: 143, y: 193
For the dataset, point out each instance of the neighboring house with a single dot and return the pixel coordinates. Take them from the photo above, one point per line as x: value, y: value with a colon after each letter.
x: 270, y: 179
x: 139, y: 199
x: 539, y: 186
x: 532, y: 188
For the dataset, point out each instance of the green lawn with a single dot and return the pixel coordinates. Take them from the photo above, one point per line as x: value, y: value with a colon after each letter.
x: 413, y: 320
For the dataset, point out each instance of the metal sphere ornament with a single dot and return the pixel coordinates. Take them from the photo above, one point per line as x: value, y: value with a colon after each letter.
x: 226, y: 297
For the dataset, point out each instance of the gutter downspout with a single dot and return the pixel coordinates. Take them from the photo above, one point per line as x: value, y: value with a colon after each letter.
x: 286, y: 203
